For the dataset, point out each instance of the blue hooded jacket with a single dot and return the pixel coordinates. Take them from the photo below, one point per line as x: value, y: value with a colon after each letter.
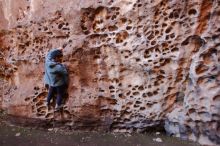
x: 55, y: 73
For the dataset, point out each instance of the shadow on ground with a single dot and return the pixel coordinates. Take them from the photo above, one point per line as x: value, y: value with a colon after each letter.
x: 11, y: 135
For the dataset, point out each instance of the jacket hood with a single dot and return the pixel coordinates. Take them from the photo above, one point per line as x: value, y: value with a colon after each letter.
x: 51, y: 55
x: 54, y: 53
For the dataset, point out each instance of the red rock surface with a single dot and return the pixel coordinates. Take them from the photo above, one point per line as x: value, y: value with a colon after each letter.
x: 133, y: 64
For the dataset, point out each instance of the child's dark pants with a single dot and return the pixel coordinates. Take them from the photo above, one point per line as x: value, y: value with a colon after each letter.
x: 60, y: 90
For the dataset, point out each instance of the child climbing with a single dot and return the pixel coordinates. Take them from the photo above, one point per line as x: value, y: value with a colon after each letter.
x: 56, y: 76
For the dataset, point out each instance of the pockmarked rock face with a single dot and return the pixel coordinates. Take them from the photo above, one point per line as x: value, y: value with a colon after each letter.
x: 133, y: 64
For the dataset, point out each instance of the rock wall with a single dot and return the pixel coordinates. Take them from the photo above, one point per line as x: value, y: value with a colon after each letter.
x: 133, y: 64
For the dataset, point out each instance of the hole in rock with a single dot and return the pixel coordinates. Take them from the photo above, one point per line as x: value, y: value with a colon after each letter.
x: 40, y: 103
x: 49, y: 115
x: 27, y: 99
x: 60, y: 26
x: 155, y: 92
x: 191, y: 111
x: 216, y: 98
x: 142, y: 108
x: 149, y: 94
x: 136, y: 93
x: 40, y: 114
x: 138, y: 102
x: 141, y: 88
x: 112, y: 28
x: 201, y: 68
x: 153, y: 43
x: 139, y: 5
x: 138, y: 59
x: 113, y: 17
x: 172, y: 35
x: 174, y: 49
x: 150, y: 37
x: 168, y: 30
x: 40, y: 109
x: 128, y: 93
x: 192, y: 12
x: 120, y: 95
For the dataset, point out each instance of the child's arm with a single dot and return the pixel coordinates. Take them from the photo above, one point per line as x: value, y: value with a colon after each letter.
x: 60, y: 69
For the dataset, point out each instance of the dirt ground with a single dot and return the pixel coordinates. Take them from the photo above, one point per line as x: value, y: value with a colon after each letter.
x: 11, y: 135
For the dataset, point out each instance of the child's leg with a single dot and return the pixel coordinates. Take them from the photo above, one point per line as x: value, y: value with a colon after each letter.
x: 50, y: 94
x: 65, y: 94
x: 60, y: 93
